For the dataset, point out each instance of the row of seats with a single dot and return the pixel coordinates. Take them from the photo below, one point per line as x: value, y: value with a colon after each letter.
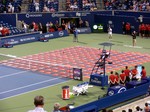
x: 13, y: 30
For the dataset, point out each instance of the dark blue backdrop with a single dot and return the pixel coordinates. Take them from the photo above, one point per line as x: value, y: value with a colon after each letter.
x: 103, y: 17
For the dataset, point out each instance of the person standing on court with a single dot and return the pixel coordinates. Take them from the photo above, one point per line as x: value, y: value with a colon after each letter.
x: 39, y: 104
x: 110, y: 33
x: 134, y: 38
x: 75, y: 33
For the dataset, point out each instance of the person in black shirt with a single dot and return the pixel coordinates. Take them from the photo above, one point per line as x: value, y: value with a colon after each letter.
x: 134, y: 37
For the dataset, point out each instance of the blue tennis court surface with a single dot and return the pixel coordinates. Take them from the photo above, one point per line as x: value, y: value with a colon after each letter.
x: 15, y: 81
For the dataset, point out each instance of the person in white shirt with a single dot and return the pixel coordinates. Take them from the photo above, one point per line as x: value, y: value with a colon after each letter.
x: 1, y: 27
x: 39, y: 104
x: 36, y: 4
x: 110, y: 32
x: 10, y: 8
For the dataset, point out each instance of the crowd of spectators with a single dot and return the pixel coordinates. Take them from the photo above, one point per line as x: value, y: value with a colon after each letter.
x: 133, y: 5
x: 76, y: 5
x: 10, y: 6
x: 43, y: 6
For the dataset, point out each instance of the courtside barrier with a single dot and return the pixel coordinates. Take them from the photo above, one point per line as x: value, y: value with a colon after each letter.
x: 114, y: 99
x: 30, y: 37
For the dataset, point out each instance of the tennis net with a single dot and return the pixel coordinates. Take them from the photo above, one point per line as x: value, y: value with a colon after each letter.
x: 36, y: 66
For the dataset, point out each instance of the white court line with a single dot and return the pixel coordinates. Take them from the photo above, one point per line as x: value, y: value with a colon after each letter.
x: 133, y: 46
x: 27, y: 86
x: 13, y: 74
x: 33, y: 90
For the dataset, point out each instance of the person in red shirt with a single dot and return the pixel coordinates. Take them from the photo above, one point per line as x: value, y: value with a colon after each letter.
x: 134, y: 72
x: 142, y: 30
x: 128, y: 28
x: 127, y: 73
x: 117, y: 81
x: 149, y: 30
x: 143, y: 72
x: 112, y: 79
x: 146, y: 30
x: 122, y: 77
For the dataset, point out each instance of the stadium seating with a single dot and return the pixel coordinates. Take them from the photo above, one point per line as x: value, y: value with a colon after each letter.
x: 50, y: 5
x: 135, y: 5
x: 13, y: 30
x: 16, y: 4
x: 85, y: 5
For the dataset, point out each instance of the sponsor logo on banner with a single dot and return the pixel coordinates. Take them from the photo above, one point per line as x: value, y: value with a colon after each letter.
x: 82, y: 13
x: 27, y: 39
x: 48, y: 35
x: 77, y: 74
x: 58, y: 15
x: 61, y: 33
x: 96, y: 80
x: 110, y: 93
x: 33, y: 15
x: 12, y: 41
x: 122, y: 90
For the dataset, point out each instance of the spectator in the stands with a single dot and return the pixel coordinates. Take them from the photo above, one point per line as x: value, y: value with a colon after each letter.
x: 110, y: 110
x: 35, y: 26
x: 87, y: 24
x: 19, y: 9
x: 1, y: 27
x: 25, y: 26
x: 39, y: 104
x: 146, y: 108
x: 36, y: 5
x: 45, y: 8
x: 123, y: 110
x: 143, y: 72
x: 52, y: 9
x: 40, y: 27
x: 138, y: 109
x: 56, y: 25
x: 47, y: 26
x: 104, y: 110
x: 63, y: 25
x: 10, y: 8
x: 80, y: 23
x: 130, y: 110
x: 56, y: 107
x: 51, y: 25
